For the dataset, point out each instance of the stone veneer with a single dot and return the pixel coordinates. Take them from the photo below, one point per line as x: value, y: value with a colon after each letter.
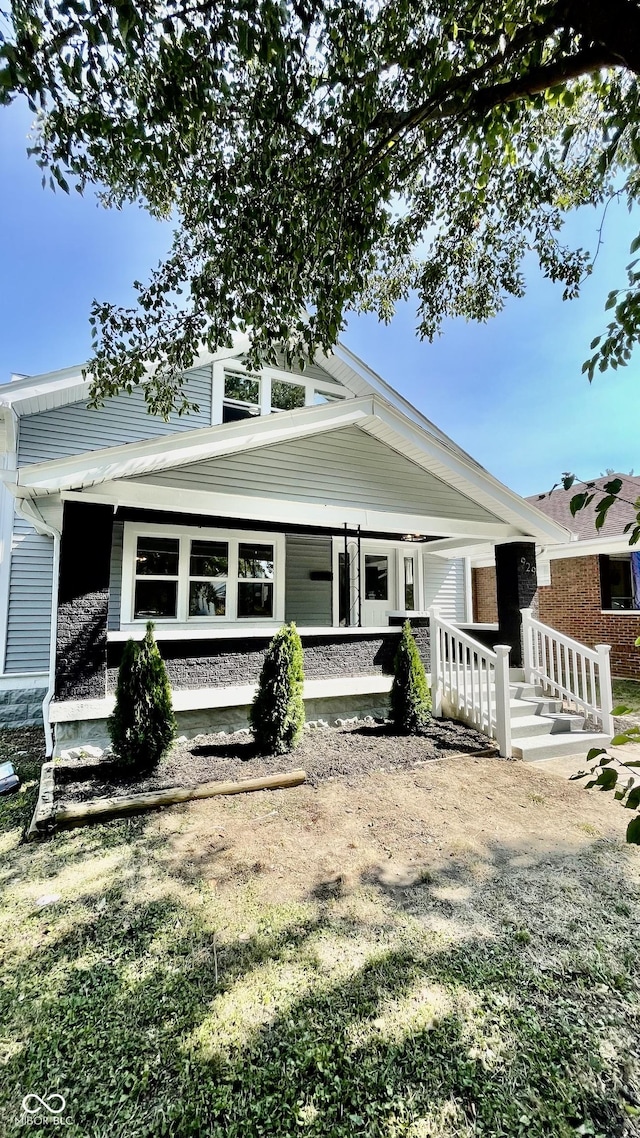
x: 227, y: 663
x: 83, y: 601
x: 21, y: 707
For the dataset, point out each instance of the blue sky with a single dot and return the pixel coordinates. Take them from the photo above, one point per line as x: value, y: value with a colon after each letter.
x: 510, y: 392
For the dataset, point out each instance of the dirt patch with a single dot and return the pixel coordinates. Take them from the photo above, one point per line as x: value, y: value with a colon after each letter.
x: 347, y: 753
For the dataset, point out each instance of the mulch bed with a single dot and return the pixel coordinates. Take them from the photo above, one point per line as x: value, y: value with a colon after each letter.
x: 332, y: 752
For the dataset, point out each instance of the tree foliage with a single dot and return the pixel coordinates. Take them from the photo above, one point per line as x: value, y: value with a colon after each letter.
x: 410, y: 698
x: 142, y: 725
x: 606, y: 495
x: 277, y: 713
x: 325, y: 155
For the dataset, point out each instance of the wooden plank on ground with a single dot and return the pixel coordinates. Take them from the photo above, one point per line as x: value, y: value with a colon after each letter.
x: 43, y: 815
x: 76, y: 813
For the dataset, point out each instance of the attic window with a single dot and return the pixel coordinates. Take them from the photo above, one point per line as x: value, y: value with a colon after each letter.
x: 241, y: 397
x: 320, y: 397
x: 287, y: 396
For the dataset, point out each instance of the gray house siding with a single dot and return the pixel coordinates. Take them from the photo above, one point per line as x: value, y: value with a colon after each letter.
x: 29, y: 617
x: 55, y: 434
x: 123, y: 419
x: 346, y: 467
x: 308, y: 601
x: 311, y: 371
x: 115, y: 576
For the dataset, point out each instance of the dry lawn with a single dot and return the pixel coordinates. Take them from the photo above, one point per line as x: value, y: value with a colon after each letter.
x: 448, y: 951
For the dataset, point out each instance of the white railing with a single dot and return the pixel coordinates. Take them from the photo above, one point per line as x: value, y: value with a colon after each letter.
x: 471, y: 679
x: 579, y: 676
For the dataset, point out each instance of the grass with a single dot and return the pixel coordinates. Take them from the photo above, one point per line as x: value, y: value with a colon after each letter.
x: 203, y: 972
x: 627, y: 692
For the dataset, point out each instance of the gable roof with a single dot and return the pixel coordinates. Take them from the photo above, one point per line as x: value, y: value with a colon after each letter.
x: 372, y: 414
x: 556, y: 506
x: 29, y: 395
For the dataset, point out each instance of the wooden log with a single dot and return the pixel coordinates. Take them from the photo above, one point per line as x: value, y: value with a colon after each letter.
x: 78, y: 812
x: 43, y: 815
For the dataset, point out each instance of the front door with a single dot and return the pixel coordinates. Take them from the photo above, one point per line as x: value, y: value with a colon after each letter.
x: 378, y: 586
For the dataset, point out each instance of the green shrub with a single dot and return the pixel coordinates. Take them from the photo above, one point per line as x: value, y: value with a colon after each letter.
x: 142, y: 725
x: 410, y: 697
x: 277, y: 714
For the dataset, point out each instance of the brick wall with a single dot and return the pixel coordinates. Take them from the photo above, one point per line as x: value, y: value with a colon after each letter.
x: 485, y: 602
x: 571, y: 604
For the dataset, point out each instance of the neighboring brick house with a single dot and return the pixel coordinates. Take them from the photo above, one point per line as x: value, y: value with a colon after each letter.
x: 590, y: 594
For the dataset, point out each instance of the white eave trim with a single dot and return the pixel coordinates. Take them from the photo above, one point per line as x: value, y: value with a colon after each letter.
x: 134, y: 459
x: 372, y: 414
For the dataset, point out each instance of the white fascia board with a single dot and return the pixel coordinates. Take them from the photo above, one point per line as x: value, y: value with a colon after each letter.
x: 344, y: 365
x: 141, y: 495
x: 68, y: 385
x: 448, y: 547
x: 464, y: 475
x: 135, y: 459
x: 585, y: 547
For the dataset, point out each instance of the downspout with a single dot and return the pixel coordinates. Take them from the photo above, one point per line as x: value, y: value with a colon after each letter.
x: 30, y: 512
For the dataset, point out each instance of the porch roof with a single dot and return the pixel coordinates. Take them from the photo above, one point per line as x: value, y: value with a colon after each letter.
x: 117, y: 474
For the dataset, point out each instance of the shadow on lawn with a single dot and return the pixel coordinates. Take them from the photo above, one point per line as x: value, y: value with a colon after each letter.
x: 150, y: 1027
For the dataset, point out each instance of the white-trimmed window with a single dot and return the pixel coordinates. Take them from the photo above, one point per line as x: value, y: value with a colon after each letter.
x: 239, y: 394
x: 188, y: 575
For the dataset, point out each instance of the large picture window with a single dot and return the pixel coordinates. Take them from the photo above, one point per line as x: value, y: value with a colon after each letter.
x: 195, y: 576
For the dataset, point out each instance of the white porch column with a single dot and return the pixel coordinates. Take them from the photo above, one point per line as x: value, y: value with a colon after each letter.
x: 503, y: 697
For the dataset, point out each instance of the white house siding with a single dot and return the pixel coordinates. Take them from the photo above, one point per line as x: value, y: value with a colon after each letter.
x: 29, y: 617
x: 444, y: 586
x: 345, y: 467
x: 123, y: 419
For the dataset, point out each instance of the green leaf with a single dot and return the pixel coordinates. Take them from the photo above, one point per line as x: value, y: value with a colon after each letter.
x: 633, y: 831
x: 607, y: 779
x: 633, y: 798
x: 594, y: 752
x: 619, y: 740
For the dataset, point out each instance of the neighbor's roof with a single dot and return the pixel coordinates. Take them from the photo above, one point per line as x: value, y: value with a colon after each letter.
x: 557, y: 506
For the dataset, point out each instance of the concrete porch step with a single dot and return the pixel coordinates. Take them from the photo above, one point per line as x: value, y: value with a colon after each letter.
x: 546, y: 725
x: 526, y: 691
x: 533, y: 747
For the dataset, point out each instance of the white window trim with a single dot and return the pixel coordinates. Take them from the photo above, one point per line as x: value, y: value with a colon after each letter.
x: 400, y: 549
x: 266, y: 376
x: 185, y: 534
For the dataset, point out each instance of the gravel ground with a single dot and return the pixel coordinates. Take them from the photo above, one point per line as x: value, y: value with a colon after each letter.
x: 346, y: 752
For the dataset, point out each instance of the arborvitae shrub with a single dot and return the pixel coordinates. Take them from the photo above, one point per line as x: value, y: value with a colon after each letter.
x: 410, y: 696
x: 142, y: 725
x: 277, y: 714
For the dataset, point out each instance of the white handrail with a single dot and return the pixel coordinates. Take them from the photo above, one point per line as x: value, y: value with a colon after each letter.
x: 579, y: 676
x: 471, y: 679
